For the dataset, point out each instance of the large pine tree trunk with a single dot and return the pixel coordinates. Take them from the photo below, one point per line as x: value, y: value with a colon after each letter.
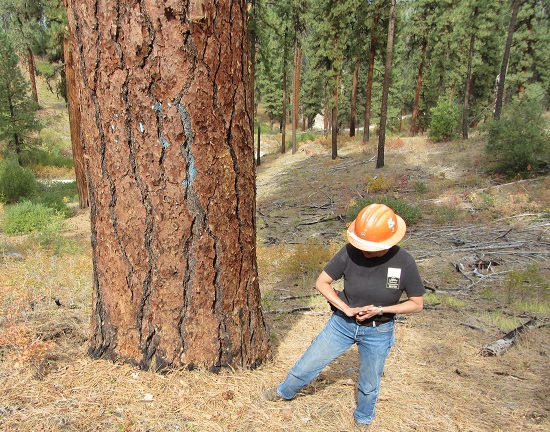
x: 386, y: 87
x: 166, y: 105
x: 74, y: 123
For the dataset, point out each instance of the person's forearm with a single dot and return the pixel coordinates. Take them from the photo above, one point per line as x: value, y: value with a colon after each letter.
x: 327, y: 291
x: 408, y: 306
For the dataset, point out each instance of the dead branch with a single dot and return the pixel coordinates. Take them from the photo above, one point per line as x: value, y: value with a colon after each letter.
x: 288, y: 311
x: 294, y: 297
x: 501, y: 346
x: 323, y: 219
x: 472, y: 326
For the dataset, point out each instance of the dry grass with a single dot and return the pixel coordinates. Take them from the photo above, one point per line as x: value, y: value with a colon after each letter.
x: 435, y: 379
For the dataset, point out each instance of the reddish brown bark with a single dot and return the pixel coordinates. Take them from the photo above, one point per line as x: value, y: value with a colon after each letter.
x: 166, y: 105
x: 74, y: 124
x: 32, y: 74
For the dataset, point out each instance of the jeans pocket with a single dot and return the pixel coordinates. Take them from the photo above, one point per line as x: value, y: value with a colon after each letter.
x: 386, y: 327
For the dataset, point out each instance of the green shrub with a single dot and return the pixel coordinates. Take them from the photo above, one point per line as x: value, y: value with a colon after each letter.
x: 15, y: 182
x: 411, y: 214
x: 518, y: 141
x: 306, y: 136
x: 57, y: 195
x: 445, y: 121
x: 26, y: 217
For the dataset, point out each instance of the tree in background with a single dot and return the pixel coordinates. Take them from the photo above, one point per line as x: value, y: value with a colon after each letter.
x: 166, y: 121
x: 386, y: 86
x: 502, y: 75
x: 530, y: 51
x: 374, y: 28
x: 17, y: 109
x: 22, y: 20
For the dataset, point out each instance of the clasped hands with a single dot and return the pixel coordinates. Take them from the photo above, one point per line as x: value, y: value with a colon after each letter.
x: 363, y: 313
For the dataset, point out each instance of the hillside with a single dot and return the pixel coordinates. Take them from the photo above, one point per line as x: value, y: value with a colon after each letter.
x: 482, y: 247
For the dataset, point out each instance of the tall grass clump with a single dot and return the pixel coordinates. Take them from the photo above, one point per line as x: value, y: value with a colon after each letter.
x: 410, y: 213
x: 16, y: 182
x: 519, y: 141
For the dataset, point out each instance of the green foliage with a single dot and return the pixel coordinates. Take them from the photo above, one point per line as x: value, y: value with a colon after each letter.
x: 444, y: 214
x: 50, y: 236
x: 518, y: 141
x: 15, y: 182
x: 307, y: 259
x: 527, y: 284
x: 57, y: 195
x: 17, y: 122
x: 445, y: 121
x: 27, y: 217
x: 410, y: 213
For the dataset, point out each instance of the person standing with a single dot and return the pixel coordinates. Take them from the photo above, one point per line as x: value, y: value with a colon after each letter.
x: 376, y: 273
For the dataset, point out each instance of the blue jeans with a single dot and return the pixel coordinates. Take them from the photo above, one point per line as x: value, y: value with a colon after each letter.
x: 340, y: 333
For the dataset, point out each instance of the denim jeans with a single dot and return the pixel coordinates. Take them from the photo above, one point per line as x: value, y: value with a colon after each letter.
x: 340, y: 333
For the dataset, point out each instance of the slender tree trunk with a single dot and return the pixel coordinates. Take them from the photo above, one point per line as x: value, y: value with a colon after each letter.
x: 165, y: 102
x: 502, y: 76
x: 386, y: 87
x: 16, y: 139
x: 258, y: 159
x: 296, y: 92
x: 74, y: 123
x: 283, y: 116
x: 32, y: 74
x: 414, y: 117
x: 253, y: 73
x: 465, y: 117
x: 353, y: 115
x: 372, y: 54
x: 334, y: 118
x: 325, y: 111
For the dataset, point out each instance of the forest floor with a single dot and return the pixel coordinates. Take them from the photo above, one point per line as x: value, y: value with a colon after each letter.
x: 482, y: 247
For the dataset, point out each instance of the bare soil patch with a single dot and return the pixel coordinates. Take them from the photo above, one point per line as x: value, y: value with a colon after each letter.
x: 435, y: 379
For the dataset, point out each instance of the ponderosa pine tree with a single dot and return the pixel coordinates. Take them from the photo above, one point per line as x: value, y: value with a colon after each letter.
x: 17, y: 108
x: 165, y: 100
x: 22, y: 20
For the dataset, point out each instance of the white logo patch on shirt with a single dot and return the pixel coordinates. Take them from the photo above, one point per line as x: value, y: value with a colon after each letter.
x: 394, y: 276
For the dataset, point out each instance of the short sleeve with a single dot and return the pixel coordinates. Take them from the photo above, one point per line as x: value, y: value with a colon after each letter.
x: 414, y: 287
x: 337, y: 265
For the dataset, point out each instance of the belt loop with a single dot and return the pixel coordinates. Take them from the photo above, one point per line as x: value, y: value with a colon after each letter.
x: 374, y: 323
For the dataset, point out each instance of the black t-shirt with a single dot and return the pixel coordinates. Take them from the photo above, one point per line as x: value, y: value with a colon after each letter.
x: 378, y: 281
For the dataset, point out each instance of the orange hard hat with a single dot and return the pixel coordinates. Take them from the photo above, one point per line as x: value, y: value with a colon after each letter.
x: 376, y: 228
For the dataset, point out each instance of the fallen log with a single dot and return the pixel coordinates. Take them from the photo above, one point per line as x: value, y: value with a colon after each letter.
x: 501, y: 346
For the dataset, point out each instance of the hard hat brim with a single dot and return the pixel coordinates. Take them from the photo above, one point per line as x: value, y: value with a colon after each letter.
x: 369, y: 246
